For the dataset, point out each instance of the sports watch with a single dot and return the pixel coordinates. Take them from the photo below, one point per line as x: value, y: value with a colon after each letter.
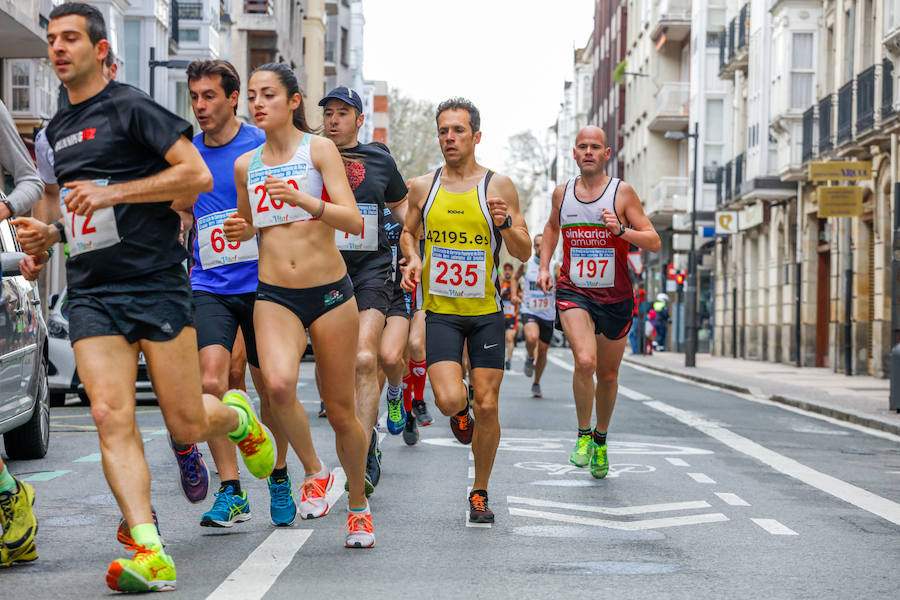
x: 506, y: 224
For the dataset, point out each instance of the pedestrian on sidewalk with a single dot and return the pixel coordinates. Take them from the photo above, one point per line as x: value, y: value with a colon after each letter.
x: 634, y: 336
x: 661, y: 306
x: 650, y: 331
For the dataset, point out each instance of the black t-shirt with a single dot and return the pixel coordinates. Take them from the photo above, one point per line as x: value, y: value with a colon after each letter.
x: 120, y: 135
x: 374, y: 179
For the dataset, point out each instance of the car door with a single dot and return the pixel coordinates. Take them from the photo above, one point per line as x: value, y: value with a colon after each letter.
x: 28, y: 325
x: 11, y: 397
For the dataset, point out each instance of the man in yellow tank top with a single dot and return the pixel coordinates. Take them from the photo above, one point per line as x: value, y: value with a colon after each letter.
x: 467, y: 212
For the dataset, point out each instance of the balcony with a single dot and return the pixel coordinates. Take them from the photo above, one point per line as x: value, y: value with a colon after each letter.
x: 865, y: 100
x: 738, y: 174
x: 259, y: 7
x: 727, y: 196
x: 22, y: 36
x: 743, y: 28
x: 887, y: 90
x: 190, y: 11
x: 669, y: 195
x: 259, y: 15
x: 720, y: 180
x: 672, y: 107
x: 845, y: 113
x: 672, y: 21
x: 809, y: 123
x: 733, y: 45
x: 825, y: 108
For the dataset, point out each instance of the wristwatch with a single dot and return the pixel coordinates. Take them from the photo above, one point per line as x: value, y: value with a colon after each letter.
x: 62, y: 230
x: 622, y: 232
x: 506, y: 224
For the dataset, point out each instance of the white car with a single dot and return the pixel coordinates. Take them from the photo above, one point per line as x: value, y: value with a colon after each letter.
x: 62, y: 374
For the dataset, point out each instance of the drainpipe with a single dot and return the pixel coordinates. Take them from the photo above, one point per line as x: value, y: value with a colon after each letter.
x: 801, y: 216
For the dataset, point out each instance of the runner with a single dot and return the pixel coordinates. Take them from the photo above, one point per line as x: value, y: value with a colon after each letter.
x: 303, y: 284
x: 600, y: 216
x: 223, y: 280
x: 538, y: 315
x: 467, y: 211
x: 376, y: 184
x: 509, y: 293
x: 121, y: 158
x: 414, y: 380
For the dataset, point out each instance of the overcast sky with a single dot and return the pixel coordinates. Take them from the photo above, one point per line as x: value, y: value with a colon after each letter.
x: 509, y: 57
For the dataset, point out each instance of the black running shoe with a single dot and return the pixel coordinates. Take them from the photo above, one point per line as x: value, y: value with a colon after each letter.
x: 463, y: 427
x: 478, y: 507
x: 373, y: 462
x: 507, y: 365
x: 421, y: 412
x: 411, y: 431
x: 322, y: 413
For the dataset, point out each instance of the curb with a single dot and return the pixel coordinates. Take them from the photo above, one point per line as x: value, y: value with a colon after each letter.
x: 841, y: 414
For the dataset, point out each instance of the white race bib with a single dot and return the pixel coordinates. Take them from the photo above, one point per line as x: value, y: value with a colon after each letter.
x: 86, y: 234
x: 538, y: 303
x: 367, y: 240
x: 592, y: 267
x: 215, y: 250
x: 457, y: 273
x: 268, y: 212
x: 509, y: 309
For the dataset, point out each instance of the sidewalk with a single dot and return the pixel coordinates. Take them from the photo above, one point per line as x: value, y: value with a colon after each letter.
x: 859, y: 399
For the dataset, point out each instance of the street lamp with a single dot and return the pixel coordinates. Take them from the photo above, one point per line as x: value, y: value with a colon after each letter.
x: 690, y: 292
x: 169, y: 64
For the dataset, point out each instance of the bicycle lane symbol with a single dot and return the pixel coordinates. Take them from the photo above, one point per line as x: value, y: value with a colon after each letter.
x: 615, y: 470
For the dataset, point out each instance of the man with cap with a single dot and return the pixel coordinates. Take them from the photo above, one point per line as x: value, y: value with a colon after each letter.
x: 376, y: 184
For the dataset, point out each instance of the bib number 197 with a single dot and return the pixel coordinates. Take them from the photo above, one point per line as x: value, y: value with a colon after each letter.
x: 592, y: 267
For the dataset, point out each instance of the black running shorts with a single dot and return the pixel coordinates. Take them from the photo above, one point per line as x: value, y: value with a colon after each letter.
x: 545, y: 327
x: 445, y: 336
x: 612, y: 320
x: 401, y: 304
x: 374, y: 293
x: 218, y: 317
x: 308, y: 304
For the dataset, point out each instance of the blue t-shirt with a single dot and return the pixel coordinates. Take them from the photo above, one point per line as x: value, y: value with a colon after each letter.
x: 241, y: 277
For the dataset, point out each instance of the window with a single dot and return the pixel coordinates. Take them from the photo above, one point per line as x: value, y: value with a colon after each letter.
x: 188, y: 35
x: 345, y: 50
x: 802, y: 74
x: 714, y: 132
x: 133, y: 53
x: 20, y: 86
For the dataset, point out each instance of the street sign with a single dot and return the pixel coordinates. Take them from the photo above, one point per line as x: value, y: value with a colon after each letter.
x: 636, y: 262
x: 840, y: 201
x: 839, y: 170
x: 726, y: 222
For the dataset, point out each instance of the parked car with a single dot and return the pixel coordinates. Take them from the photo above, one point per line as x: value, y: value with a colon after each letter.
x: 24, y: 393
x: 63, y: 375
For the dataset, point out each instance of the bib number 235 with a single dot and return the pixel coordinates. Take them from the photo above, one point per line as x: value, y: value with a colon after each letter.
x: 457, y: 273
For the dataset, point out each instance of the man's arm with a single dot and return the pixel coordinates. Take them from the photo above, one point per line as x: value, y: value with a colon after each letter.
x: 47, y: 209
x: 15, y: 159
x: 409, y: 241
x: 550, y: 239
x: 643, y: 234
x: 398, y: 210
x: 516, y: 237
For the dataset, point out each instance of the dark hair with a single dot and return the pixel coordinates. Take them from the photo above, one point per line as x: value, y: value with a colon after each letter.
x: 290, y: 83
x: 459, y: 103
x: 229, y: 78
x: 94, y: 22
x: 507, y: 265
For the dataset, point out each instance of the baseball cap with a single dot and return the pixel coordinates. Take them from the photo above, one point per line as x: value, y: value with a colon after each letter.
x: 344, y: 94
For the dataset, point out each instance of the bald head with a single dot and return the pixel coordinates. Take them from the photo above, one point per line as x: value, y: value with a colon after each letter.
x: 591, y: 152
x: 591, y: 132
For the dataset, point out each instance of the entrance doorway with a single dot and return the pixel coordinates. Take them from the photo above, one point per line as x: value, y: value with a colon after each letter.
x: 823, y: 295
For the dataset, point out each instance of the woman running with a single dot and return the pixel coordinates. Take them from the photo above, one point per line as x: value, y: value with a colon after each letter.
x: 293, y: 192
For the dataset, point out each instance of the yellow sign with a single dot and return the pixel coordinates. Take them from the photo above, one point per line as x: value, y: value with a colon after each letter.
x: 840, y: 201
x: 838, y: 170
x: 726, y: 222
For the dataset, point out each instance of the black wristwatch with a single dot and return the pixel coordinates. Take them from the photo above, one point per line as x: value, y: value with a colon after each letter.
x: 62, y: 231
x: 622, y: 232
x: 506, y: 224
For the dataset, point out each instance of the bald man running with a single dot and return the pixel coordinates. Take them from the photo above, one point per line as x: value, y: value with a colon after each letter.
x: 601, y: 217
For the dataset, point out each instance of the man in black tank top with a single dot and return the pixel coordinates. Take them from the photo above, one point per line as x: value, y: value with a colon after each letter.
x: 594, y: 320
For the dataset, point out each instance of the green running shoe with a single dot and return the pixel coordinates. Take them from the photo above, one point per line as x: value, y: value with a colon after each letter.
x: 256, y: 448
x: 583, y: 448
x: 19, y: 525
x: 599, y: 462
x: 149, y: 571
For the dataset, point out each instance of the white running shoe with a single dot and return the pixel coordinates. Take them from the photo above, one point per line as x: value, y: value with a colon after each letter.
x: 312, y: 498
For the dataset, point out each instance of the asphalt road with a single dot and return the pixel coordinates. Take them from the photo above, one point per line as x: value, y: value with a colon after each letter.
x: 711, y: 495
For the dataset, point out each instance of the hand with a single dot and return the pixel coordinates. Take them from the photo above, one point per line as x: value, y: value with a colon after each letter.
x: 280, y: 190
x: 4, y: 211
x: 499, y: 210
x: 34, y: 236
x: 401, y: 264
x: 412, y: 274
x: 234, y: 228
x: 87, y: 197
x: 545, y: 281
x: 612, y: 222
x: 31, y: 266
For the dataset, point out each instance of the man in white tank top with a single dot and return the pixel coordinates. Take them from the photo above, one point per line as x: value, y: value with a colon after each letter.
x: 601, y: 217
x: 538, y: 315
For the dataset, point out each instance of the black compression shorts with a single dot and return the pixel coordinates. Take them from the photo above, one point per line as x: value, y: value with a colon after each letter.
x: 218, y: 317
x: 401, y: 304
x: 373, y: 293
x: 445, y: 336
x: 307, y: 303
x: 612, y: 320
x: 545, y: 327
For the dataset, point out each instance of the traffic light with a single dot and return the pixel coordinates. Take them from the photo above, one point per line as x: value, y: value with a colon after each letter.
x: 679, y: 278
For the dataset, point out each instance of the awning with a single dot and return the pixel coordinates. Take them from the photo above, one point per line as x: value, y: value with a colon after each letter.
x: 19, y: 39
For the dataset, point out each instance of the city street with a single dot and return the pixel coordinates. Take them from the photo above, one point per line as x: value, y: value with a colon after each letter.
x: 711, y: 495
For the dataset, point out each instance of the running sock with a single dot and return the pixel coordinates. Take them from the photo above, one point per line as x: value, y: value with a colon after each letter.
x: 463, y: 412
x: 362, y: 510
x: 582, y: 432
x: 599, y: 438
x: 243, y: 428
x: 279, y: 474
x: 146, y: 535
x: 417, y: 371
x: 235, y: 486
x: 393, y: 392
x: 182, y: 448
x: 406, y: 392
x: 7, y: 482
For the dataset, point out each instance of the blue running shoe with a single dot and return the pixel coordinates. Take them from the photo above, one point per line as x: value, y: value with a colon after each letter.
x: 282, y: 507
x: 228, y: 509
x: 396, y: 417
x: 193, y: 471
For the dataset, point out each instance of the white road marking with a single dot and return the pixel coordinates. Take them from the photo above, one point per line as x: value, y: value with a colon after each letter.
x: 471, y: 472
x: 604, y: 510
x: 337, y: 488
x: 259, y: 571
x: 625, y: 391
x: 621, y: 525
x: 701, y: 477
x: 678, y: 462
x: 481, y: 525
x: 560, y: 362
x: 732, y: 499
x: 774, y: 527
x: 847, y: 492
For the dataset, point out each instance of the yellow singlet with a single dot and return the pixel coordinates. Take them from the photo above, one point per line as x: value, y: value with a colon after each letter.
x: 462, y: 246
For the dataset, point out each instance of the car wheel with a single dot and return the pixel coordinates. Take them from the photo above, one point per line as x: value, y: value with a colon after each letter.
x: 32, y: 440
x: 57, y: 399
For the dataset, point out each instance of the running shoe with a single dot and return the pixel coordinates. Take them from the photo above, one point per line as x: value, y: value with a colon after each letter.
x: 124, y: 532
x: 536, y: 390
x: 584, y: 447
x: 228, y: 509
x: 411, y: 432
x: 256, y: 448
x: 322, y: 413
x: 359, y: 529
x: 149, y: 571
x: 507, y: 364
x: 421, y: 412
x: 282, y: 507
x: 373, y: 466
x: 478, y: 507
x: 19, y: 525
x: 193, y: 471
x: 528, y: 369
x: 599, y: 462
x: 396, y: 417
x: 462, y: 427
x: 312, y: 498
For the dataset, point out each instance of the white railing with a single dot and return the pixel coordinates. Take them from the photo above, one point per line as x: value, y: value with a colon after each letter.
x: 673, y: 9
x: 670, y: 194
x: 673, y: 99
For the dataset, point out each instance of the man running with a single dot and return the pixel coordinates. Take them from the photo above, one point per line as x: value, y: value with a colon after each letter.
x: 599, y: 216
x: 509, y: 293
x: 376, y: 184
x: 121, y: 159
x: 467, y: 212
x: 538, y: 315
x: 223, y: 281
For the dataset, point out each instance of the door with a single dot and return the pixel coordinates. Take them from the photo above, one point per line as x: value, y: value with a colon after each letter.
x: 11, y: 347
x: 823, y: 300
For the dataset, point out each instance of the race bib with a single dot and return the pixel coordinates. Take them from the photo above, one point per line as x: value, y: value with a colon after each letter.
x: 509, y: 309
x: 215, y: 250
x: 592, y: 267
x: 457, y: 273
x: 538, y: 303
x: 86, y: 234
x: 267, y: 211
x: 394, y: 262
x: 367, y: 240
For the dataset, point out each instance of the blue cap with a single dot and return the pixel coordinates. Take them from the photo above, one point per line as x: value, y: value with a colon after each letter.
x: 344, y: 94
